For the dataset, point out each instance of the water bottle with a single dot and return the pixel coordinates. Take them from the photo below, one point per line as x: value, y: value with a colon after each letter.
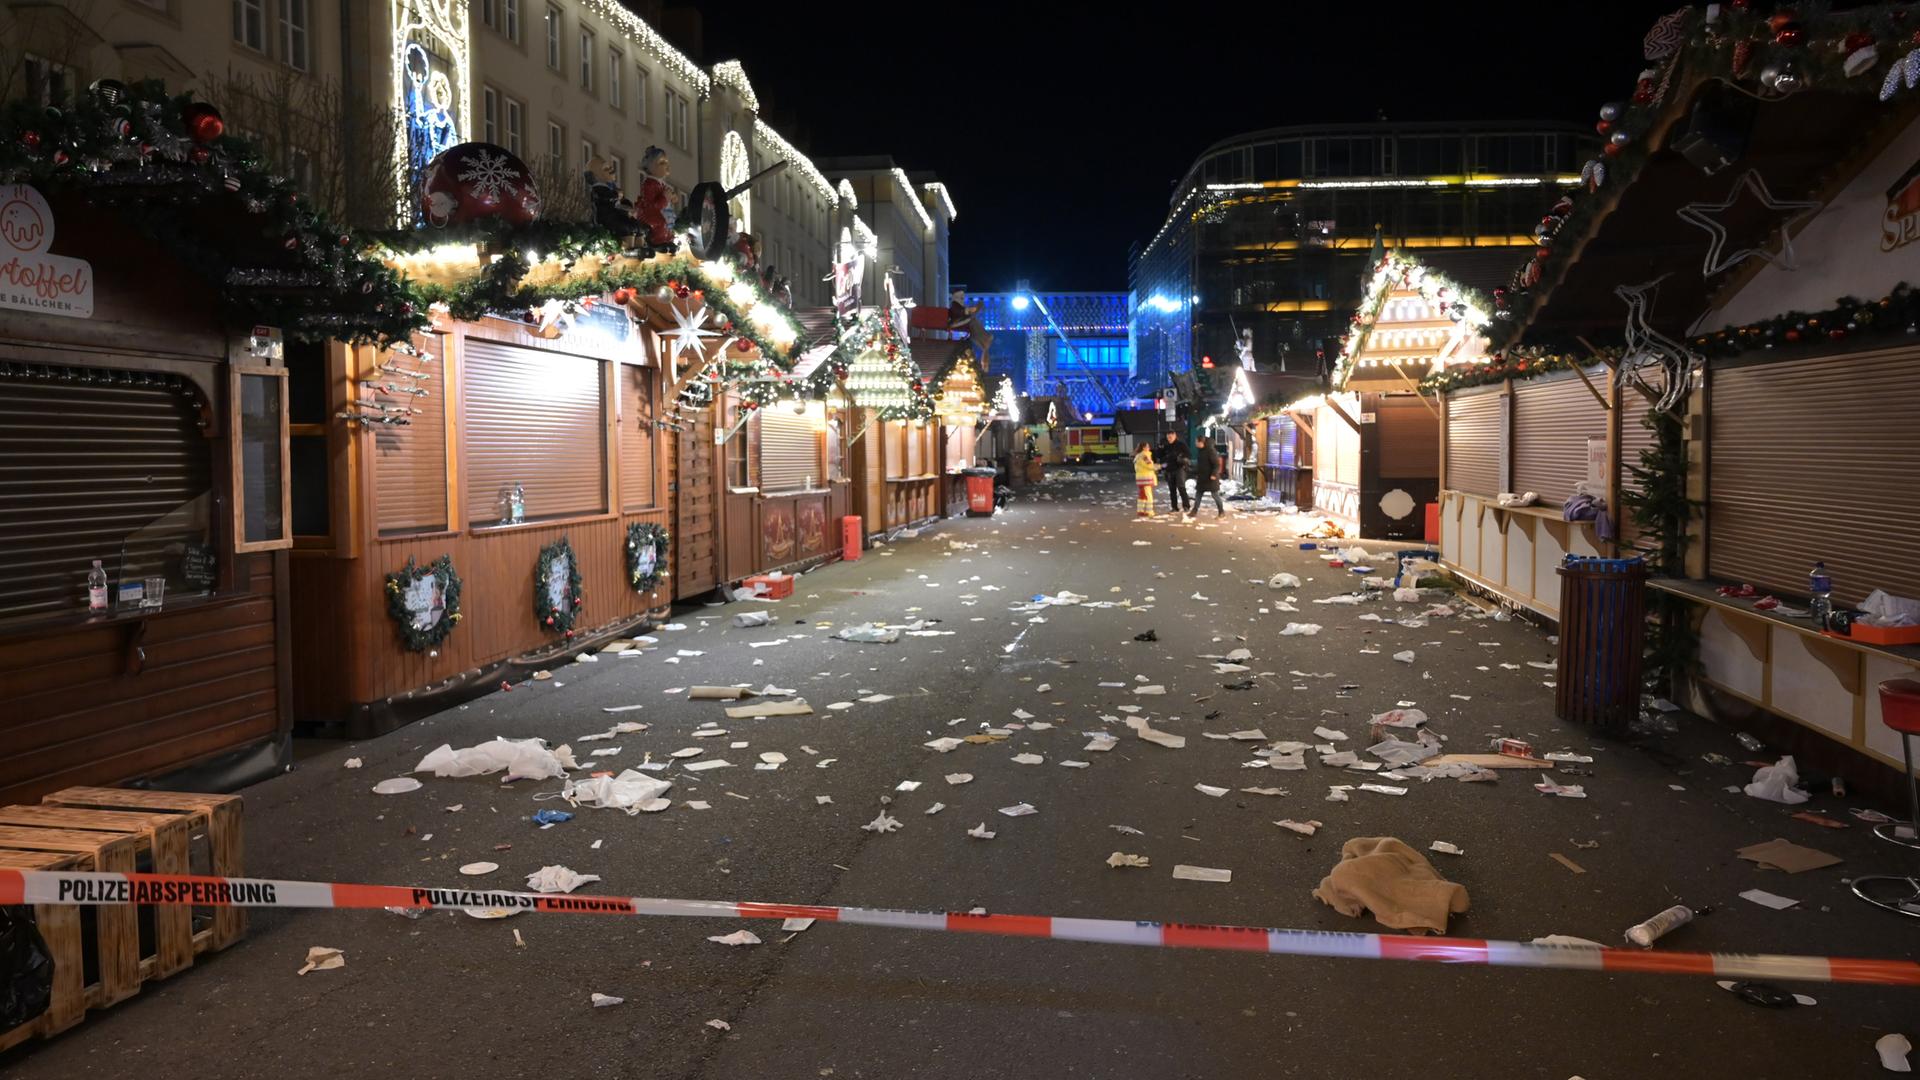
x: 97, y: 587
x: 1821, y: 586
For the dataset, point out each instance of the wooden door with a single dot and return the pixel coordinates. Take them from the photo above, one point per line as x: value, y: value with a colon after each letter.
x: 696, y: 564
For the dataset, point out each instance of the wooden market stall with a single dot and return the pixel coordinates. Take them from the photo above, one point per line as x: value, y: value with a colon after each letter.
x: 951, y: 373
x: 1697, y: 284
x: 144, y: 429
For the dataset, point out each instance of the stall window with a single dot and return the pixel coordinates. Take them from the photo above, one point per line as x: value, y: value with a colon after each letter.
x: 739, y: 467
x: 307, y: 450
x: 533, y: 421
x: 836, y: 445
x: 262, y: 509
x: 790, y: 458
x: 410, y: 460
x: 108, y: 465
x: 637, y: 434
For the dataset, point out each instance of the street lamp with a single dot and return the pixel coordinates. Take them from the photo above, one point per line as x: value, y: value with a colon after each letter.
x: 1020, y: 301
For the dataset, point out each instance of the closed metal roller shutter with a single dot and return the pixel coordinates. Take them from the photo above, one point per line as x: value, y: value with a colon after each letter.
x: 96, y: 464
x: 1552, y: 420
x: 637, y: 437
x: 1409, y: 436
x: 1814, y: 460
x: 789, y: 452
x: 536, y: 419
x: 410, y: 462
x: 1476, y: 442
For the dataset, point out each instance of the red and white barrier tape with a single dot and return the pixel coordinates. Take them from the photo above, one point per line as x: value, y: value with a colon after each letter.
x: 63, y: 887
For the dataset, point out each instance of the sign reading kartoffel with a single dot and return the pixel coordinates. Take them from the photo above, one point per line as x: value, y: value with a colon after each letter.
x: 31, y: 279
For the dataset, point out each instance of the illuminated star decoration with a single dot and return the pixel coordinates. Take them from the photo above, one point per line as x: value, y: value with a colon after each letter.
x: 1703, y: 216
x: 689, y: 327
x: 1649, y: 348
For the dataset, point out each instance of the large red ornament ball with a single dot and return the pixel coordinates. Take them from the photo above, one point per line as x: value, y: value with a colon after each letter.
x: 474, y: 181
x: 203, y: 122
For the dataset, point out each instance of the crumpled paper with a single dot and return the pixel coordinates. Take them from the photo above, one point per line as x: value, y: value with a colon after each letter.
x: 1283, y: 581
x: 557, y: 879
x: 631, y: 791
x: 522, y: 759
x: 1779, y: 782
x: 322, y: 958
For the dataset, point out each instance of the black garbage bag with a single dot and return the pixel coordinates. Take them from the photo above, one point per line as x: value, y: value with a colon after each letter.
x: 26, y: 968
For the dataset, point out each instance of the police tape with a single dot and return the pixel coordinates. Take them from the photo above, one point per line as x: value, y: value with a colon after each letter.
x: 98, y: 890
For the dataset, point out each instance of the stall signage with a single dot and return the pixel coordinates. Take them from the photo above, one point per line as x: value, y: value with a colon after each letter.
x: 1597, y: 463
x: 31, y: 279
x: 1902, y: 224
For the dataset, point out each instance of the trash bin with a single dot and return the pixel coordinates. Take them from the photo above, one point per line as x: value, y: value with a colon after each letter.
x: 1603, y: 608
x: 980, y: 492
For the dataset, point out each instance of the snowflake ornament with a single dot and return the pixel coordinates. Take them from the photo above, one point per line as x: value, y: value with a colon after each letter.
x: 492, y: 175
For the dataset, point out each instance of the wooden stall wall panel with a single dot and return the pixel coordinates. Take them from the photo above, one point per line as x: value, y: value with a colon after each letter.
x: 1880, y: 738
x: 1813, y: 459
x: 696, y: 507
x: 639, y: 437
x: 1476, y: 435
x: 1450, y: 540
x: 1409, y: 439
x: 210, y: 683
x: 1733, y: 657
x: 1516, y: 576
x: 327, y: 624
x: 1814, y: 682
x: 386, y: 665
x: 1493, y: 550
x: 1553, y: 417
x: 505, y: 561
x: 410, y: 462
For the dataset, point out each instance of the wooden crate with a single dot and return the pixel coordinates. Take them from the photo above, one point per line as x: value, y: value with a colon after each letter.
x: 162, y: 840
x: 60, y: 927
x: 216, y: 817
x: 116, y: 929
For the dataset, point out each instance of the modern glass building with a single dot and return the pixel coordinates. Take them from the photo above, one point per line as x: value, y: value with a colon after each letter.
x: 1271, y: 231
x: 1095, y: 368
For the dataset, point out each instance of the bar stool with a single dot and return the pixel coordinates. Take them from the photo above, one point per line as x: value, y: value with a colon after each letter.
x: 1899, y: 710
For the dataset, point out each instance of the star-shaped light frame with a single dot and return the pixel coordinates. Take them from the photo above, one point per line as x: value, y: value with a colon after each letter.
x: 688, y: 330
x: 1703, y: 216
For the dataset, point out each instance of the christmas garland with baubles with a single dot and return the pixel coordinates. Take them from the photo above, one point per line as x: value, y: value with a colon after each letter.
x: 644, y: 539
x: 402, y: 580
x: 557, y: 617
x: 275, y: 258
x: 1769, y: 52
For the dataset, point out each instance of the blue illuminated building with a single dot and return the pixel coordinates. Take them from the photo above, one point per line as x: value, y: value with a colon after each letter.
x: 1272, y: 231
x: 1042, y: 364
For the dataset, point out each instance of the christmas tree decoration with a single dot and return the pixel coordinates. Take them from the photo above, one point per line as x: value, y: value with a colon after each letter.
x: 424, y: 602
x: 476, y: 181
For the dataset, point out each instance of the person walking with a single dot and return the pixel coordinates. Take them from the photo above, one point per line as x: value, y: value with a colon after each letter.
x: 1145, y: 477
x: 1207, y: 470
x: 1173, y: 458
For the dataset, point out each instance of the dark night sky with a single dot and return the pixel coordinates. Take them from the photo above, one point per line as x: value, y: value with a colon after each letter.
x: 1061, y: 132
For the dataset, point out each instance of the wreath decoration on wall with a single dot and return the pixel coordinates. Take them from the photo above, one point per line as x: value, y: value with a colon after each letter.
x: 424, y: 602
x: 647, y: 547
x: 556, y: 587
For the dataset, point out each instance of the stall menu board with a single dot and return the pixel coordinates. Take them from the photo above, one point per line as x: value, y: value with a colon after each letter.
x: 198, y: 567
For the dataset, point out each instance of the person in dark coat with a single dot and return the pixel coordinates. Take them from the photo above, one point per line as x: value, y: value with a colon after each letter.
x: 1207, y: 470
x: 1173, y: 459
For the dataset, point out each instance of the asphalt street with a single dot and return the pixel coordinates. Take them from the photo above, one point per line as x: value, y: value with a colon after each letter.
x: 447, y: 995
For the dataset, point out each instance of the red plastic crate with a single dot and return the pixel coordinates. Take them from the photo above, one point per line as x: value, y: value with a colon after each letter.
x: 774, y: 588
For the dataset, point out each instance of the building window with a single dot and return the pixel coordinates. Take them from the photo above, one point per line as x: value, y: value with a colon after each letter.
x: 619, y: 166
x: 503, y: 16
x: 556, y: 147
x: 675, y: 108
x: 490, y: 115
x: 300, y: 169
x: 642, y: 95
x: 616, y: 63
x: 48, y: 83
x: 295, y: 51
x: 586, y: 59
x: 553, y: 38
x: 586, y: 153
x: 515, y: 127
x: 250, y: 24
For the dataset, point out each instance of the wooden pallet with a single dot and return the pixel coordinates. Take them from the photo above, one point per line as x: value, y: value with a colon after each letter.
x: 216, y: 817
x: 116, y: 831
x: 60, y: 928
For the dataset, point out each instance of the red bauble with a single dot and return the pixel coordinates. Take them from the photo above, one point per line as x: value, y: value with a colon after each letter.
x: 1603, y: 126
x: 1790, y: 38
x: 1855, y: 41
x: 476, y: 181
x: 30, y: 140
x: 1793, y: 335
x: 203, y: 122
x: 1611, y: 149
x: 623, y: 296
x: 199, y: 155
x: 1836, y: 333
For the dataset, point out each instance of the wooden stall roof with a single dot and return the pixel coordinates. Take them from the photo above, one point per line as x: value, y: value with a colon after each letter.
x: 1804, y: 146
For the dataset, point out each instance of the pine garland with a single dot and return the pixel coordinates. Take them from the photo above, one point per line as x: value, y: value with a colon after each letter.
x: 557, y: 618
x: 1663, y: 511
x: 403, y: 579
x: 644, y: 538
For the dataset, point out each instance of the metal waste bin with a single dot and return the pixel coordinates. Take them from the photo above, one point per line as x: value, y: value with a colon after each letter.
x: 1603, y: 619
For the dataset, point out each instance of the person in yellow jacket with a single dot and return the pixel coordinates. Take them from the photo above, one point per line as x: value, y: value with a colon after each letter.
x: 1146, y: 477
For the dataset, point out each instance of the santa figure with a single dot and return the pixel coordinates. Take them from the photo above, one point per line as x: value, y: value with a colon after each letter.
x: 654, y: 206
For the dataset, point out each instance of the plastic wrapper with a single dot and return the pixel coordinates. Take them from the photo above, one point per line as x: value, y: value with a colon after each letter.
x: 26, y: 968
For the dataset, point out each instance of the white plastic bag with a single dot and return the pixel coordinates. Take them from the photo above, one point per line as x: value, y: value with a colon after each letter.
x: 1283, y: 581
x: 522, y: 759
x: 630, y: 791
x: 1779, y: 782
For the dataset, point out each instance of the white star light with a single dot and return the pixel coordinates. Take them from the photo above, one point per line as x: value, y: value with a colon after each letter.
x: 689, y: 327
x: 1701, y: 215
